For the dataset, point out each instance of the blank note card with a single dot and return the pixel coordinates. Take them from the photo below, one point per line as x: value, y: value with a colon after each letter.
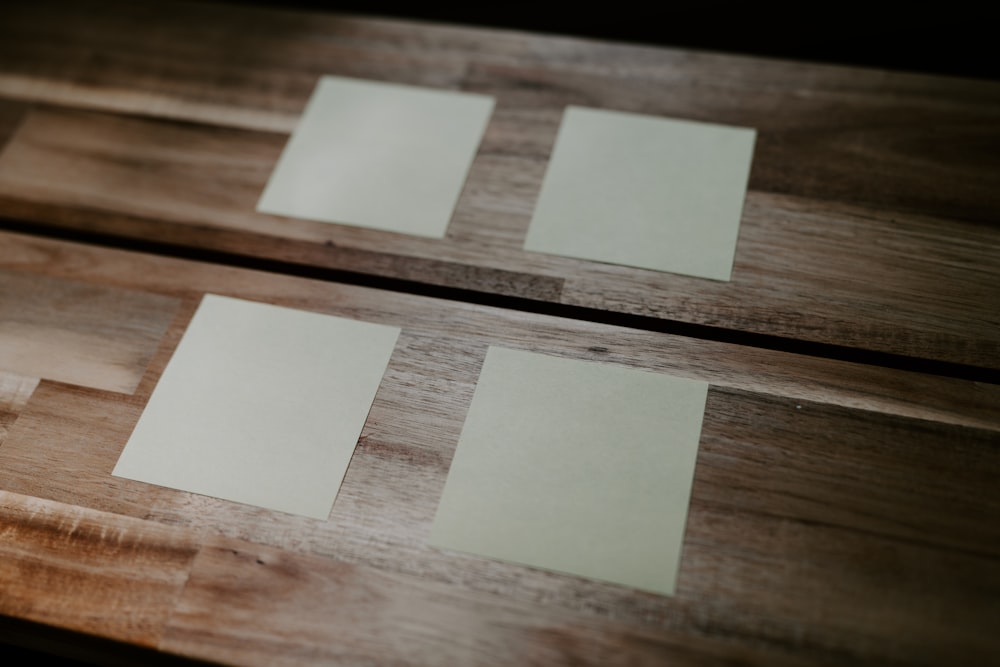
x: 644, y: 191
x: 379, y: 155
x: 574, y: 466
x: 261, y: 405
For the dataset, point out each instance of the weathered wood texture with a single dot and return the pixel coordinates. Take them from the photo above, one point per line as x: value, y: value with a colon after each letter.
x: 326, y: 611
x: 840, y: 514
x: 96, y: 573
x: 78, y: 333
x: 871, y: 220
x: 15, y: 390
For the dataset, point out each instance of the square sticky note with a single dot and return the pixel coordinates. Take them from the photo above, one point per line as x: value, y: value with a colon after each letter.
x: 576, y: 467
x: 379, y: 155
x: 261, y: 405
x: 644, y: 191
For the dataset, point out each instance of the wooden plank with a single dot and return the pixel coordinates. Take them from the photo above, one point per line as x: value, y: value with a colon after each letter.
x: 252, y: 605
x: 836, y: 273
x: 870, y: 220
x: 883, y: 140
x: 126, y: 57
x: 472, y: 327
x: 840, y: 513
x: 266, y: 65
x: 78, y: 333
x: 89, y: 572
x: 914, y: 142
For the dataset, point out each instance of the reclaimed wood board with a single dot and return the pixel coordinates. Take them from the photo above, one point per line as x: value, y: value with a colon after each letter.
x: 870, y: 222
x: 841, y: 513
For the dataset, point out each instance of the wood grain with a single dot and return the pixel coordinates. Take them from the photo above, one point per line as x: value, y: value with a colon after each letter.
x: 90, y: 572
x: 870, y: 222
x: 15, y: 391
x: 726, y: 365
x: 252, y: 605
x: 879, y: 139
x: 838, y: 274
x: 840, y: 514
x: 260, y: 63
x: 77, y: 333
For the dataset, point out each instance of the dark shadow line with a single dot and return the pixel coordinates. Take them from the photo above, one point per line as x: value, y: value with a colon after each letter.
x: 25, y: 642
x: 524, y: 304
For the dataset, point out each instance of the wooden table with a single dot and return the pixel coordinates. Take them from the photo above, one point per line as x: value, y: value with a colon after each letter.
x: 845, y: 508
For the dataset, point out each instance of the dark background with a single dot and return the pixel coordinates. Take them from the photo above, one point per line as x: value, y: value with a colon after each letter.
x: 952, y: 38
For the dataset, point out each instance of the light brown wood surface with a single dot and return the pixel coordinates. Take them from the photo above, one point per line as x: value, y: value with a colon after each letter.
x: 870, y: 223
x: 840, y: 514
x: 59, y: 330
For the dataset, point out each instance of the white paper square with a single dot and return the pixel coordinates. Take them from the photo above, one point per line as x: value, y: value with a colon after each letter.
x: 261, y: 405
x: 379, y: 155
x: 644, y: 191
x: 576, y: 467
